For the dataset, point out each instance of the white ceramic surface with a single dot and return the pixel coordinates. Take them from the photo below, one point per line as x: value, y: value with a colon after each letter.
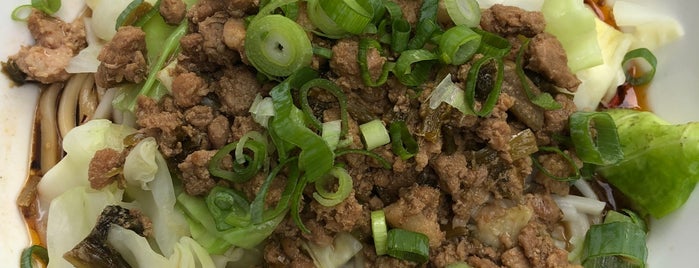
x: 674, y: 95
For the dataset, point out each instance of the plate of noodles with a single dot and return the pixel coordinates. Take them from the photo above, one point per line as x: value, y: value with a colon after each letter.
x: 672, y: 96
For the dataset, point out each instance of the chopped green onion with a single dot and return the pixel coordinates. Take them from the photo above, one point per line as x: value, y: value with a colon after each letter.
x: 132, y: 13
x: 374, y: 134
x: 323, y: 52
x: 615, y: 244
x: 413, y: 66
x: 21, y: 13
x: 464, y: 12
x: 543, y: 100
x: 277, y: 46
x: 28, y: 254
x: 295, y: 203
x: 408, y: 245
x: 351, y: 15
x: 426, y: 25
x: 344, y: 187
x: 244, y: 167
x: 472, y: 80
x: 650, y: 65
x: 492, y: 44
x: 573, y: 167
x: 228, y: 208
x: 458, y: 44
x: 321, y: 20
x: 402, y: 142
x: 316, y: 158
x: 400, y: 28
x: 169, y: 47
x: 47, y: 6
x: 331, y: 133
x: 595, y: 138
x: 379, y: 231
x: 331, y: 88
x: 257, y: 213
x: 364, y: 45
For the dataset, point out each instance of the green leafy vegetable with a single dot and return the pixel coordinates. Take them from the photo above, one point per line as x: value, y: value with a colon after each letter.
x: 661, y: 164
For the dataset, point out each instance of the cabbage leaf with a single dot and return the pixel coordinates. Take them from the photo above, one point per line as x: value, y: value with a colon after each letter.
x: 661, y: 164
x: 80, y: 145
x: 150, y: 184
x: 343, y: 248
x: 574, y: 26
x: 138, y: 253
x: 72, y: 216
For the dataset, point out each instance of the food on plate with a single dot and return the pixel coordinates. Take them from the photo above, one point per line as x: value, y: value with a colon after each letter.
x: 347, y: 133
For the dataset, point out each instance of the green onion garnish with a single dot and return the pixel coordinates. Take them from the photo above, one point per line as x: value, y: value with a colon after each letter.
x: 331, y: 88
x: 351, y: 15
x: 244, y: 166
x: 402, y: 142
x: 228, y: 207
x: 28, y: 255
x: 132, y: 13
x: 21, y: 13
x: 464, y: 12
x: 413, y: 66
x: 344, y: 187
x: 47, y: 6
x: 458, y: 44
x: 379, y: 231
x: 650, y: 61
x: 595, y: 138
x: 277, y: 46
x: 615, y: 243
x: 575, y: 170
x: 408, y: 245
x: 492, y: 44
x: 472, y: 80
x: 374, y: 134
x: 364, y: 45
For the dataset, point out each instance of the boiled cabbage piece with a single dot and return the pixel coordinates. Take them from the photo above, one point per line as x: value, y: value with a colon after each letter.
x: 80, y: 145
x: 661, y: 163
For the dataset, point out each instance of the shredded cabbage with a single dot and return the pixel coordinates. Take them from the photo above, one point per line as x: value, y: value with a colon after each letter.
x: 86, y: 60
x: 574, y: 26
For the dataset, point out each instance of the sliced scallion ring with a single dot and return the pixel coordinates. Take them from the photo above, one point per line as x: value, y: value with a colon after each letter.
x: 402, y: 142
x: 615, y: 244
x: 132, y: 13
x: 321, y: 20
x: 344, y: 187
x: 595, y: 137
x: 351, y: 15
x: 408, y: 245
x: 648, y: 68
x: 28, y: 254
x: 374, y: 134
x: 492, y: 44
x: 21, y: 13
x: 277, y: 46
x: 47, y: 6
x: 464, y: 12
x: 472, y: 80
x: 379, y: 231
x: 364, y: 45
x: 413, y: 66
x: 458, y: 44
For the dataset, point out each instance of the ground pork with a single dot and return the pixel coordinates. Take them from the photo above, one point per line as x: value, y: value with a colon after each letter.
x: 196, y: 178
x: 509, y: 20
x: 173, y: 11
x: 123, y: 58
x: 547, y: 57
x: 416, y: 211
x: 104, y: 168
x: 188, y: 89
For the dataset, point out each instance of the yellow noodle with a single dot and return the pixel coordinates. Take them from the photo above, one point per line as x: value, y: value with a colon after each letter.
x: 87, y: 100
x: 50, y: 148
x: 67, y: 105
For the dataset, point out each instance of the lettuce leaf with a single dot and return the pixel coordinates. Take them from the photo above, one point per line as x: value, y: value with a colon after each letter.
x: 661, y: 164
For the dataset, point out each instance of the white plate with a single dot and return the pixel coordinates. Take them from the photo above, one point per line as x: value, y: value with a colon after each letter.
x: 673, y: 240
